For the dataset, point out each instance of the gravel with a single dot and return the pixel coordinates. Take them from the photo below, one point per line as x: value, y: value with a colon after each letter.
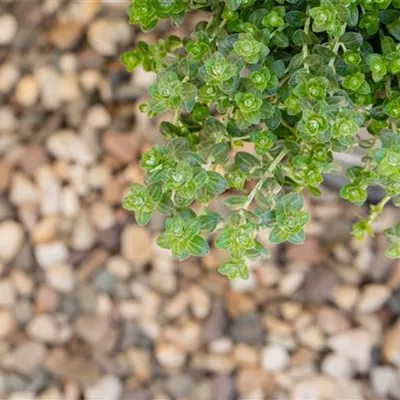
x: 90, y: 308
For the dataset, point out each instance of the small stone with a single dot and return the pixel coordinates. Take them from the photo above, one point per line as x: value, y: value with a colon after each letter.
x: 25, y: 357
x: 32, y: 157
x: 7, y: 323
x: 45, y: 230
x: 65, y: 34
x: 319, y: 284
x: 49, y: 189
x: 180, y: 386
x: 136, y: 245
x: 61, y: 278
x: 12, y: 237
x: 22, y: 282
x: 345, y: 296
x: 274, y: 358
x: 7, y: 293
x: 66, y: 145
x: 22, y: 395
x: 384, y: 380
x: 372, y: 298
x: 177, y: 306
x: 289, y: 283
x: 102, y: 216
x: 51, y: 393
x: 337, y: 366
x: 8, y: 28
x: 5, y: 173
x: 221, y: 345
x: 316, y: 387
x: 251, y: 380
x: 331, y: 321
x: 169, y: 355
x: 79, y: 368
x: 248, y: 329
x: 238, y: 304
x: 109, y: 387
x: 391, y: 344
x: 199, y: 301
x: 312, y: 337
x: 245, y: 355
x: 190, y: 335
x: 27, y: 91
x: 9, y: 74
x: 23, y: 191
x: 83, y: 233
x: 119, y: 267
x: 49, y: 83
x: 98, y: 117
x: 223, y: 389
x: 69, y: 202
x: 355, y: 344
x: 43, y: 328
x: 92, y: 328
x: 47, y: 299
x: 121, y: 146
x: 106, y: 35
x: 51, y: 254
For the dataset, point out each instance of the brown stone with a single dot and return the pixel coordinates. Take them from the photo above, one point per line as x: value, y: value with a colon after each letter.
x: 121, y: 146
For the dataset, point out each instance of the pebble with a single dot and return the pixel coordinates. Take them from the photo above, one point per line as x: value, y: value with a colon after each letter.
x: 199, y: 301
x: 51, y: 254
x: 27, y: 91
x: 8, y: 28
x: 108, y: 387
x: 372, y: 298
x: 289, y: 283
x: 316, y: 387
x: 23, y: 191
x: 12, y: 237
x: 46, y: 230
x: 43, y: 328
x: 248, y: 328
x: 122, y: 147
x: 49, y: 83
x: 7, y: 293
x: 345, y: 296
x: 274, y: 358
x: 384, y: 380
x: 83, y: 235
x: 136, y: 244
x: 391, y: 344
x: 9, y: 74
x: 337, y: 366
x: 66, y: 145
x: 119, y: 267
x: 169, y: 355
x: 102, y: 216
x: 7, y: 323
x: 22, y: 281
x: 98, y: 117
x: 25, y: 358
x: 106, y: 35
x: 355, y: 344
x: 61, y: 277
x: 92, y: 328
x: 65, y: 34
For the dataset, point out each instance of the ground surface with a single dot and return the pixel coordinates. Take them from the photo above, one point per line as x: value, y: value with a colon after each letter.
x: 90, y: 307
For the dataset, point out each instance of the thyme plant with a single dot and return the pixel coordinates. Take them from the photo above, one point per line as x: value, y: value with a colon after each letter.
x: 294, y: 81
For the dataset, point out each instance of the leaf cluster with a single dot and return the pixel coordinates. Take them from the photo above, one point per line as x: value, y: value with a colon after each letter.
x: 294, y: 81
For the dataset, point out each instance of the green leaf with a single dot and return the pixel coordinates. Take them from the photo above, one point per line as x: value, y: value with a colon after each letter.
x: 215, y: 183
x: 234, y: 269
x: 352, y: 40
x: 257, y: 252
x: 209, y: 221
x: 246, y: 161
x: 298, y: 238
x: 198, y: 246
x: 233, y: 4
x: 143, y: 217
x: 236, y: 202
x: 296, y: 18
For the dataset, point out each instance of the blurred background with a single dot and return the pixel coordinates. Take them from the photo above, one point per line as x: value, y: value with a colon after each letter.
x: 90, y: 308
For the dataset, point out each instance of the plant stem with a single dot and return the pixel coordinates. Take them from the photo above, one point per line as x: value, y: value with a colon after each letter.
x: 271, y: 169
